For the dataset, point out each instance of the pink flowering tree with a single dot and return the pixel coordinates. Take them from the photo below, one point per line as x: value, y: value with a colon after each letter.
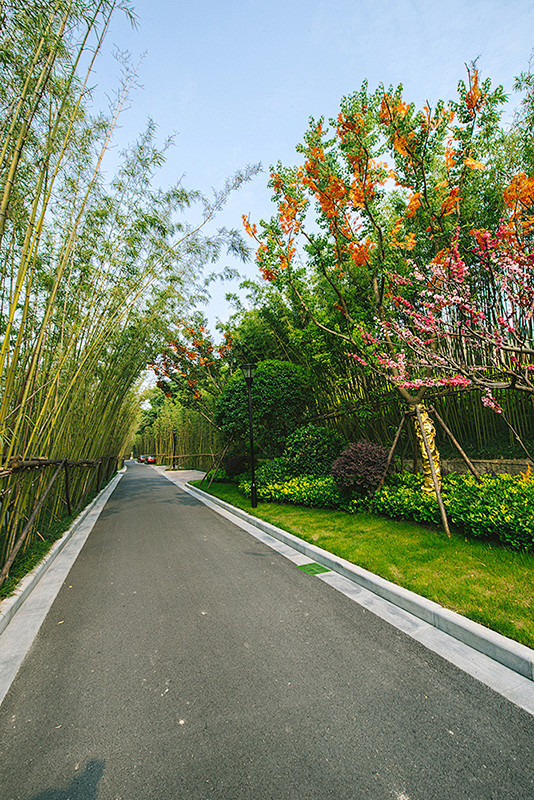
x: 459, y: 326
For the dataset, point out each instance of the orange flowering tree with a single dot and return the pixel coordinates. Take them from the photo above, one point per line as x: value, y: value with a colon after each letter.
x: 383, y: 190
x: 192, y: 367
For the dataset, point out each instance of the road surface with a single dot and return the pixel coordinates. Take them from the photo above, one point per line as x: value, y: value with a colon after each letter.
x: 182, y: 658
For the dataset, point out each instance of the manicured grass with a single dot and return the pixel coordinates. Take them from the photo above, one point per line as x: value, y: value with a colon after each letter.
x: 484, y: 582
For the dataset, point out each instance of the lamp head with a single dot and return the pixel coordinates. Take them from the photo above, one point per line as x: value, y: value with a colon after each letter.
x: 249, y: 370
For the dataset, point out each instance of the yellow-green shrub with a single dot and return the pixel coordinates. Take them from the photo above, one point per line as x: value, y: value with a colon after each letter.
x: 499, y: 507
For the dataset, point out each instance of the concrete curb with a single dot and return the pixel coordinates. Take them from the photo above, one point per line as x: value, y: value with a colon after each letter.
x: 11, y: 604
x: 513, y: 655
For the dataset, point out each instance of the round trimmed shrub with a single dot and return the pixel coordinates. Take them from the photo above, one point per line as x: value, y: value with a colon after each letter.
x: 281, y: 393
x: 312, y: 449
x: 360, y: 467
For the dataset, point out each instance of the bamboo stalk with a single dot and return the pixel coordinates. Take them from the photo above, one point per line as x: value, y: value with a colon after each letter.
x: 67, y: 491
x: 5, y: 569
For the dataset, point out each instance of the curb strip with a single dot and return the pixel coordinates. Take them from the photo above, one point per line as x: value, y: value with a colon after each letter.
x: 511, y: 654
x: 11, y: 604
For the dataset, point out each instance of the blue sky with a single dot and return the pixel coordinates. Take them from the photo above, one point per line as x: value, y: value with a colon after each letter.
x: 237, y: 80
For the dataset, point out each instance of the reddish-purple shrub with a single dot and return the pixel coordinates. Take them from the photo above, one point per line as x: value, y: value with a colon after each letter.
x: 360, y: 466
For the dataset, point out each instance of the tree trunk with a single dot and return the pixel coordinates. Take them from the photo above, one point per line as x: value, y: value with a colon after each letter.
x: 430, y: 433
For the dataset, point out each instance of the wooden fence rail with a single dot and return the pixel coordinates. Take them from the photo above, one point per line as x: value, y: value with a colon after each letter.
x: 13, y: 514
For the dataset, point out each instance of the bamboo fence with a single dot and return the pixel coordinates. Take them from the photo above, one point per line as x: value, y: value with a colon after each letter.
x: 31, y: 499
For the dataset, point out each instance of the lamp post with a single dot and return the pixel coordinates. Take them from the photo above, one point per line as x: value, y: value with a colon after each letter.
x: 174, y: 448
x: 249, y: 370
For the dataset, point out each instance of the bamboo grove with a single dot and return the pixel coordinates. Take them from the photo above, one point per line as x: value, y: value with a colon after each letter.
x: 94, y: 269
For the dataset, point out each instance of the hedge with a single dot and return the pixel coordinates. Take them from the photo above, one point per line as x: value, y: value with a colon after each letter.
x: 500, y: 507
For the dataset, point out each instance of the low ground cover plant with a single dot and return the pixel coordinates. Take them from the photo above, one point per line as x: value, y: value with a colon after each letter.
x: 314, y: 491
x: 500, y: 507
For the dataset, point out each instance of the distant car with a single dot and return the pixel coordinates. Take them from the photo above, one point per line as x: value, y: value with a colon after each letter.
x: 141, y: 459
x: 150, y: 459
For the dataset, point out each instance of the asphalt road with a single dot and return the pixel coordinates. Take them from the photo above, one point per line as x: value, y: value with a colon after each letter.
x: 182, y: 658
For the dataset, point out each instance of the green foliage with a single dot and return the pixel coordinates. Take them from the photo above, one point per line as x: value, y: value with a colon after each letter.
x: 257, y: 335
x: 311, y: 450
x: 169, y: 428
x: 402, y: 498
x: 235, y: 464
x: 281, y: 392
x: 500, y: 508
x: 307, y: 490
x: 153, y: 406
x: 273, y: 471
x: 217, y: 476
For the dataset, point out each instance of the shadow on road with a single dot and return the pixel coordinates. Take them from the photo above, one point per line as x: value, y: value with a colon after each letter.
x: 82, y: 787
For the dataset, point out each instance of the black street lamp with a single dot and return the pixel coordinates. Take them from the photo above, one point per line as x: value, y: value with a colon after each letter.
x: 249, y: 370
x: 174, y: 448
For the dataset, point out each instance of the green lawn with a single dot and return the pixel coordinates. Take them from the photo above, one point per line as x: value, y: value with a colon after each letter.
x: 484, y: 582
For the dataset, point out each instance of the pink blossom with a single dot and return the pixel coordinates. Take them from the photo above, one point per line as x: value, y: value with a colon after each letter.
x: 457, y: 380
x: 390, y: 363
x: 367, y: 337
x: 489, y: 401
x: 399, y: 279
x: 415, y: 384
